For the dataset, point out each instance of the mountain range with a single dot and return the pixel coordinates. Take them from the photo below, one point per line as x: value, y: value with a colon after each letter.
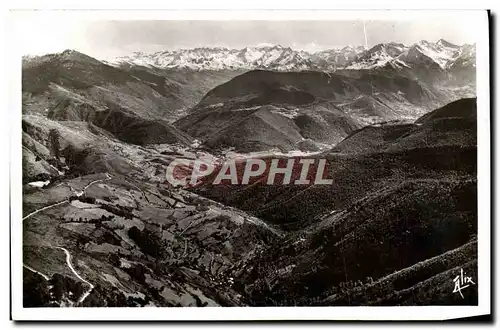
x: 443, y: 53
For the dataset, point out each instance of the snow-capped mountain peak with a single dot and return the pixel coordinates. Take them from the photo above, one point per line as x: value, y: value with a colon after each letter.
x: 444, y: 43
x: 439, y: 52
x: 379, y: 56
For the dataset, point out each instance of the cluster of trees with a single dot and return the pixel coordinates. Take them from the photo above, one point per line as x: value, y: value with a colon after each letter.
x: 137, y: 272
x: 35, y: 290
x: 75, y: 159
x: 344, y: 289
x: 96, y: 221
x: 148, y: 241
x: 106, y: 297
x: 62, y: 285
x: 54, y: 143
x: 347, y: 293
x: 122, y: 211
x: 83, y: 199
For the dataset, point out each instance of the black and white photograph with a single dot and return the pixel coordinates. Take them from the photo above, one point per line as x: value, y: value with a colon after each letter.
x: 269, y: 161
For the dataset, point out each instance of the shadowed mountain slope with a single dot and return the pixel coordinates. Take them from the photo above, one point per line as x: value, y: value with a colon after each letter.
x: 322, y: 108
x: 394, y: 227
x: 71, y: 86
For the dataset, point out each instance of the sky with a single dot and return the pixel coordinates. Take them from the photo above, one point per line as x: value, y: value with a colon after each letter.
x: 108, y: 39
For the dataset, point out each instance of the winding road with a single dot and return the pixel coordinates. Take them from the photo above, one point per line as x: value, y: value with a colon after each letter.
x: 68, y: 261
x: 78, y: 194
x: 45, y: 208
x: 108, y: 177
x: 68, y: 255
x: 36, y: 271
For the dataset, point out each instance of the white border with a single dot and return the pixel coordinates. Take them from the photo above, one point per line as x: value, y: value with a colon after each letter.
x: 254, y: 15
x: 478, y: 19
